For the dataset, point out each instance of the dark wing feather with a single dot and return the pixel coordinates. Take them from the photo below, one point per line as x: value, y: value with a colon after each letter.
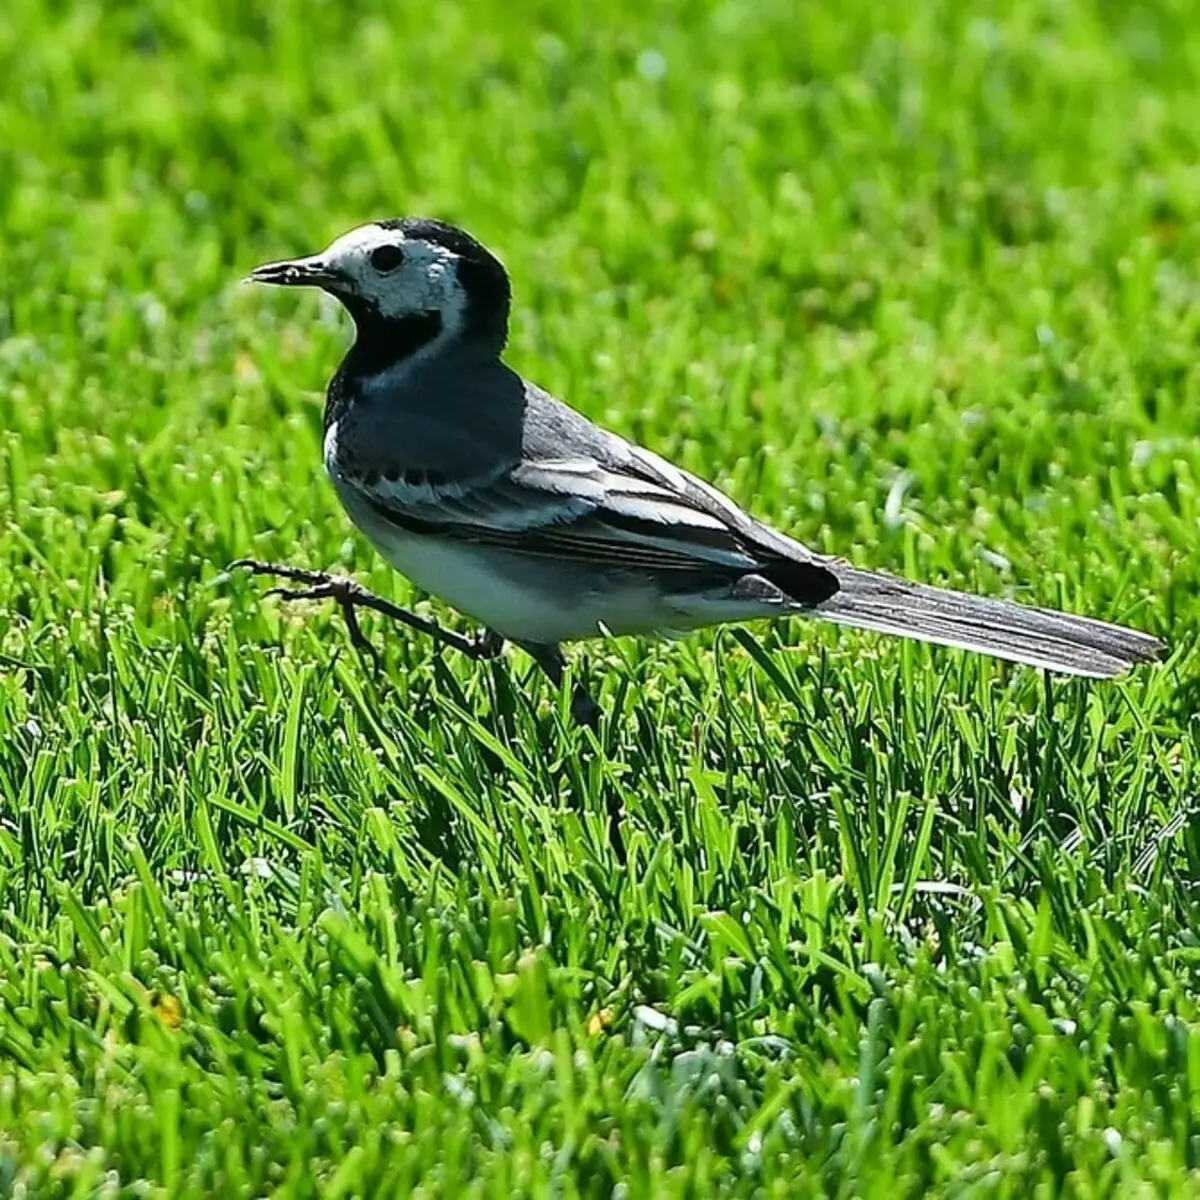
x: 576, y: 510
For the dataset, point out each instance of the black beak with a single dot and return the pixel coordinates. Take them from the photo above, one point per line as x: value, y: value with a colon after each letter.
x: 299, y: 272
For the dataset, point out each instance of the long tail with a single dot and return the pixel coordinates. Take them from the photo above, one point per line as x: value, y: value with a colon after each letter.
x: 1038, y: 637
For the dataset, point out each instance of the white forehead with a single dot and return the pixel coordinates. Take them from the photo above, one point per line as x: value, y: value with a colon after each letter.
x: 352, y: 250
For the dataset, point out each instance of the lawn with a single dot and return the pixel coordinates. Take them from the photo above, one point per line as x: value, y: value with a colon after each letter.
x: 917, y: 283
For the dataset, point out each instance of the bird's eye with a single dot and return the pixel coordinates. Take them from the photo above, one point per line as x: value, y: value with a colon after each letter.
x: 386, y: 258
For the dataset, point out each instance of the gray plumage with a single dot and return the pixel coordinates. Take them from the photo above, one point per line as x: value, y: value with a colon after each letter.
x: 487, y: 491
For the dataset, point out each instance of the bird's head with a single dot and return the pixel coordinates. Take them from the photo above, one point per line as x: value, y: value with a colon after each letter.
x: 406, y: 274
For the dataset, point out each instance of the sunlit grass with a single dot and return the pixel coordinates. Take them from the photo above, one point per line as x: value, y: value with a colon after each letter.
x: 916, y: 283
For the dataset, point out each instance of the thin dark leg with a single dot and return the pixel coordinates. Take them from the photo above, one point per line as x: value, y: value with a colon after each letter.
x: 549, y: 657
x: 586, y: 711
x: 349, y: 596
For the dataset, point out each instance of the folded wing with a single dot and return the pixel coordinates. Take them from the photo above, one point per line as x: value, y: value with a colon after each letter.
x: 583, y: 511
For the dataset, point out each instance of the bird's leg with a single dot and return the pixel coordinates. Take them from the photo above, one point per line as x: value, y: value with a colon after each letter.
x: 585, y: 711
x: 349, y: 596
x: 549, y: 657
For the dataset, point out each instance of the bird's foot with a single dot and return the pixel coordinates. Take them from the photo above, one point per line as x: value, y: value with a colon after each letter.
x: 487, y: 645
x: 351, y: 596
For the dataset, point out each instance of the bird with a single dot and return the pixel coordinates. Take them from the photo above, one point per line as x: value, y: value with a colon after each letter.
x: 495, y: 496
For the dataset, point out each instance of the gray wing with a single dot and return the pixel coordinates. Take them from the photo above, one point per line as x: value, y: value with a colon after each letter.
x: 558, y: 486
x: 567, y: 509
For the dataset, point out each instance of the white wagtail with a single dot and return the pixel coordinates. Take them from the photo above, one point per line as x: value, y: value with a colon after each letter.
x: 490, y: 493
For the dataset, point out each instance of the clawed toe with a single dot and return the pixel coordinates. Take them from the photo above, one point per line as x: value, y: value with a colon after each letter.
x: 280, y: 571
x: 349, y: 596
x: 313, y: 593
x: 488, y: 645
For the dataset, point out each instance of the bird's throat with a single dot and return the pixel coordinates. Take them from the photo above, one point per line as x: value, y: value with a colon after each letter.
x: 382, y: 345
x: 385, y: 342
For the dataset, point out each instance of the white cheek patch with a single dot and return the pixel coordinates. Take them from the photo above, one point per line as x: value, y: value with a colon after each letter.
x: 426, y: 281
x: 402, y: 294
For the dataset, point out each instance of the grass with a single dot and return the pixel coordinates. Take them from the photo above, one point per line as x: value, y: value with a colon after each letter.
x: 916, y: 283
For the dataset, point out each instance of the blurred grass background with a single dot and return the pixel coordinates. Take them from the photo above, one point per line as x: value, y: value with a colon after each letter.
x: 916, y: 283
